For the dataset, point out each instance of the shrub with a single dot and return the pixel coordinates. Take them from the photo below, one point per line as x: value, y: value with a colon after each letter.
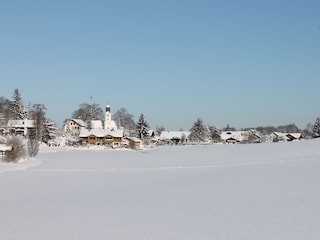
x: 18, y: 150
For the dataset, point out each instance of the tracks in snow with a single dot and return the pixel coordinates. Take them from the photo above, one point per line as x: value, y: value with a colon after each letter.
x: 133, y: 169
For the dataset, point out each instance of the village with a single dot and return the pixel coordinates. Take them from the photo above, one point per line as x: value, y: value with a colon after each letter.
x: 106, y: 133
x: 29, y: 128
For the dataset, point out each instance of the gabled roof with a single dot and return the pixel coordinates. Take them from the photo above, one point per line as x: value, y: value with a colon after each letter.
x: 167, y: 135
x: 295, y: 135
x: 100, y: 133
x: 133, y: 139
x: 80, y: 122
x: 21, y: 123
x: 236, y: 135
x: 279, y: 134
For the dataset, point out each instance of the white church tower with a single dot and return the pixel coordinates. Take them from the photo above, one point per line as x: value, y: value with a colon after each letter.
x: 108, y: 123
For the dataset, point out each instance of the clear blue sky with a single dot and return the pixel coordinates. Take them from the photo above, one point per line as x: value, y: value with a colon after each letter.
x: 245, y: 63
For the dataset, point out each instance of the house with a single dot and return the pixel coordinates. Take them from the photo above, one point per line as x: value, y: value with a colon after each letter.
x: 294, y: 136
x: 284, y: 137
x: 74, y: 126
x: 174, y: 137
x: 233, y: 136
x: 132, y: 142
x: 4, y: 148
x: 20, y: 127
x: 101, y: 137
x: 253, y: 136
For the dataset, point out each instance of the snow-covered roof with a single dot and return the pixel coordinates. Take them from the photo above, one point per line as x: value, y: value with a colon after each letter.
x: 167, y: 135
x: 279, y: 134
x: 96, y: 124
x: 80, y: 122
x: 295, y: 135
x: 5, y: 147
x: 21, y: 123
x: 110, y: 125
x: 237, y: 135
x: 133, y: 139
x: 100, y: 133
x: 286, y: 135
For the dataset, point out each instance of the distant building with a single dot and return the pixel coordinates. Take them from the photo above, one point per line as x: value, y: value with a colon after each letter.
x: 20, y: 127
x: 74, y: 126
x: 101, y: 137
x: 131, y: 142
x: 284, y: 137
x: 233, y: 137
x: 102, y: 133
x: 109, y: 123
x: 4, y: 149
x: 174, y: 137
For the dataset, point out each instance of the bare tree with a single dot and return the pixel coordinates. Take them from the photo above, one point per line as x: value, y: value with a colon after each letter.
x: 124, y: 119
x: 88, y: 112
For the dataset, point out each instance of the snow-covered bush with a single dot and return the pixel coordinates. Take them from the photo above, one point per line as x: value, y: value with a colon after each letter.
x: 18, y: 149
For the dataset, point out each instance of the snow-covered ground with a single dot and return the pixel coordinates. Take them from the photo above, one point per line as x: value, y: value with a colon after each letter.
x: 258, y: 191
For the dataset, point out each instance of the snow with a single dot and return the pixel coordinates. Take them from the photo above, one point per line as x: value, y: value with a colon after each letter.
x: 168, y: 135
x: 236, y: 135
x: 5, y: 147
x: 224, y: 192
x: 101, y: 133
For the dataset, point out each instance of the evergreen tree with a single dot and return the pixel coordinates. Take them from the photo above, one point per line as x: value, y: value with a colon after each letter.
x: 17, y: 109
x: 142, y: 127
x: 316, y: 128
x: 214, y: 134
x: 50, y: 131
x: 199, y: 132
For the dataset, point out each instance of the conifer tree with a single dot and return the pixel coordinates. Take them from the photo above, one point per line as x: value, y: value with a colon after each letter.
x: 316, y: 128
x: 142, y: 127
x: 199, y: 132
x: 50, y: 131
x: 17, y: 109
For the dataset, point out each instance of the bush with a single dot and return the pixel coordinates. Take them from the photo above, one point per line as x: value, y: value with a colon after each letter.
x: 18, y: 150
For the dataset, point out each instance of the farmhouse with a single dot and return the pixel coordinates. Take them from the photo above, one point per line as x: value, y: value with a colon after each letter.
x: 101, y: 137
x: 74, y: 126
x: 132, y: 142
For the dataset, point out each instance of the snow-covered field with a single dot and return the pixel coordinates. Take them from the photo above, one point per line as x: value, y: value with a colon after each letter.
x: 258, y: 191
